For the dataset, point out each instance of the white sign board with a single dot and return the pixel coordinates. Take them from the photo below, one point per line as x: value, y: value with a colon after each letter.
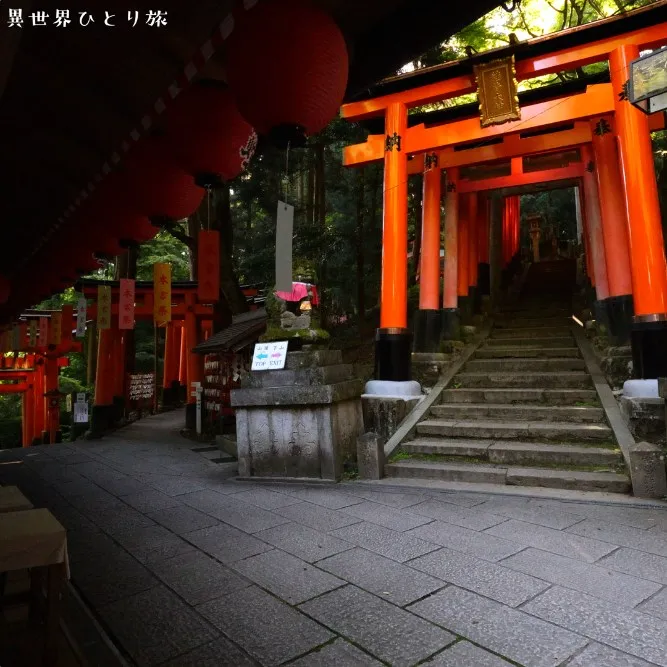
x: 269, y: 356
x: 81, y: 397
x: 80, y: 413
x: 657, y: 103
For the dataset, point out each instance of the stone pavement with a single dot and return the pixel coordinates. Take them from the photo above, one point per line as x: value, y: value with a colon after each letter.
x: 186, y: 567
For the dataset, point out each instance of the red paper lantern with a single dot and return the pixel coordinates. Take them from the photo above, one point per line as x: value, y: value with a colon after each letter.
x: 209, y: 137
x: 5, y: 289
x: 287, y: 65
x: 157, y: 186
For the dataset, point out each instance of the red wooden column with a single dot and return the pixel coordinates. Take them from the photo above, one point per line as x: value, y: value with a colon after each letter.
x: 647, y: 250
x: 428, y: 319
x: 593, y: 232
x: 473, y: 250
x: 183, y: 358
x: 39, y: 403
x: 451, y: 315
x: 170, y: 370
x: 393, y: 339
x: 101, y: 416
x: 618, y: 305
x: 52, y: 426
x: 463, y: 255
x: 484, y: 230
x: 507, y: 235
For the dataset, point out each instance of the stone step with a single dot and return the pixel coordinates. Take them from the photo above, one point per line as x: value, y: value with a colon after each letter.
x: 517, y: 453
x: 525, y: 430
x: 535, y: 343
x: 544, y: 380
x: 525, y: 365
x: 450, y: 472
x: 511, y: 411
x: 575, y: 480
x: 519, y: 352
x: 520, y: 395
x: 489, y: 474
x: 532, y: 323
x: 531, y: 332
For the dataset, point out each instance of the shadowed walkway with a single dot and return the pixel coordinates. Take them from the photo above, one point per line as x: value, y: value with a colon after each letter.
x: 186, y: 567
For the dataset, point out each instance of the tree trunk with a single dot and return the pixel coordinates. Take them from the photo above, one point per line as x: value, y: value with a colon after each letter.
x: 126, y: 264
x: 194, y: 225
x: 233, y: 297
x: 417, y: 247
x: 310, y: 193
x: 361, y: 283
x: 320, y: 213
x: 91, y: 353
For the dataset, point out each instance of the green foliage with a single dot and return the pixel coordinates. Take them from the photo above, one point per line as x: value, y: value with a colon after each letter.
x: 167, y: 249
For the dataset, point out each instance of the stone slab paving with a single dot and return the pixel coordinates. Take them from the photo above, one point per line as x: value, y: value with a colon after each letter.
x: 185, y: 566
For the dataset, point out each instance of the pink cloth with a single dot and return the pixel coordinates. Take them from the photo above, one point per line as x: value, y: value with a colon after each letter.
x: 299, y: 291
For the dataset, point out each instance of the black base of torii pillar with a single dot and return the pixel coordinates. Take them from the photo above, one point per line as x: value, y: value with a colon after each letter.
x: 393, y: 355
x: 649, y: 347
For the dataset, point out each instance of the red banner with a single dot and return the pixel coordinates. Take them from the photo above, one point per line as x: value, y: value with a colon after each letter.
x: 162, y: 293
x: 126, y: 304
x: 208, y: 267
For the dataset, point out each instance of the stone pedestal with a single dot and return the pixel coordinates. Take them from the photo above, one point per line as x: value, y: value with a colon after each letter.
x: 301, y: 422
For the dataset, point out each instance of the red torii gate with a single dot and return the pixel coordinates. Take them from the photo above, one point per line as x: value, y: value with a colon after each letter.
x: 35, y: 376
x: 615, y: 170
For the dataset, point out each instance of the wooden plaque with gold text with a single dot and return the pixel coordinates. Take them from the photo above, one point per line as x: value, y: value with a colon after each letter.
x: 497, y: 92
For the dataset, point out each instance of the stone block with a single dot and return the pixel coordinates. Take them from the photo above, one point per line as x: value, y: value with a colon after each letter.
x: 381, y: 576
x: 638, y: 564
x: 370, y: 456
x: 509, y: 632
x: 268, y: 629
x: 386, y: 631
x: 386, y: 516
x: 489, y: 579
x: 597, y: 655
x: 400, y: 547
x: 595, y: 579
x: 459, y: 516
x: 465, y: 654
x: 304, y: 542
x: 312, y: 359
x: 316, y: 517
x: 554, y: 541
x: 645, y: 417
x: 647, y: 470
x: 335, y: 654
x: 384, y: 414
x: 286, y: 576
x: 624, y: 629
x: 482, y: 545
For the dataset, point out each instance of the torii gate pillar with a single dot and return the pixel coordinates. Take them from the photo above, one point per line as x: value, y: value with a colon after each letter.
x: 647, y: 249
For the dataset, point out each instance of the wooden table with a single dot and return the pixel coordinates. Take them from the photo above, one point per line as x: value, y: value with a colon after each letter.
x: 12, y: 500
x: 33, y: 539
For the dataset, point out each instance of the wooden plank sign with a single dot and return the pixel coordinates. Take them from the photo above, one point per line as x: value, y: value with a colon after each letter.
x: 104, y: 307
x: 56, y: 330
x: 32, y: 333
x: 126, y: 303
x: 43, y: 339
x: 162, y: 293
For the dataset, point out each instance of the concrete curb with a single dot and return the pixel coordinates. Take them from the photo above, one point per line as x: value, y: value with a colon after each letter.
x: 612, y: 411
x: 408, y: 426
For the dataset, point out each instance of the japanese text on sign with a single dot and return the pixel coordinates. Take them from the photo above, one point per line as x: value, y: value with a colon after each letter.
x: 161, y: 293
x: 126, y: 304
x: 104, y: 307
x: 141, y: 386
x: 269, y: 356
x: 62, y: 18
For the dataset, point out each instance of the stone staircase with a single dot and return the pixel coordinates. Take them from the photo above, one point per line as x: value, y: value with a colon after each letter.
x: 522, y: 411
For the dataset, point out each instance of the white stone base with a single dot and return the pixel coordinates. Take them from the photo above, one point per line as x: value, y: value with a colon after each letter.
x: 406, y: 390
x: 640, y: 389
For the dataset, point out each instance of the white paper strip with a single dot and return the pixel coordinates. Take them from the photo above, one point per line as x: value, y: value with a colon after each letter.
x: 284, y: 231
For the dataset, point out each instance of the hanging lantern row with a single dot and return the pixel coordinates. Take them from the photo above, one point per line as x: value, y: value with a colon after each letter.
x: 287, y: 68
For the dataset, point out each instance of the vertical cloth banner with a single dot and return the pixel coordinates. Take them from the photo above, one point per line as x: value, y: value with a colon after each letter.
x: 56, y: 331
x: 126, y: 304
x: 43, y: 340
x: 284, y: 232
x: 162, y: 293
x: 32, y: 333
x: 81, y: 312
x: 208, y: 266
x: 104, y: 307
